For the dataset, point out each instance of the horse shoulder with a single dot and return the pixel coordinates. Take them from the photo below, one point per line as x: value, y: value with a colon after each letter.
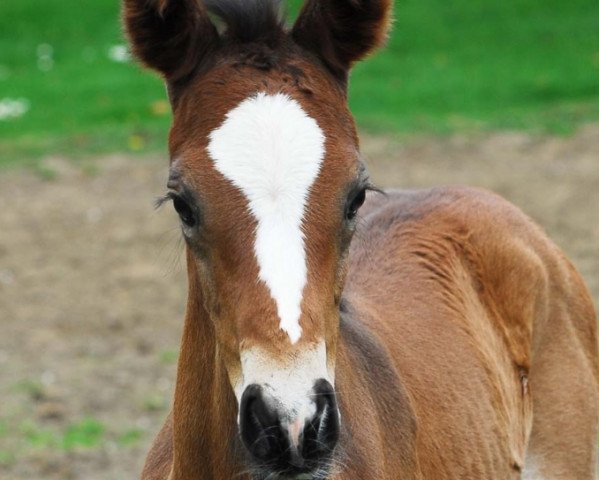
x: 483, y: 267
x: 548, y: 322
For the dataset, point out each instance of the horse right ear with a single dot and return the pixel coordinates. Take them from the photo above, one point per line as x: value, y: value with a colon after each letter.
x: 169, y: 36
x: 341, y: 32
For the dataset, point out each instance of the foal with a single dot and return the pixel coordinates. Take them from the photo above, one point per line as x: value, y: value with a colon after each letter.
x: 450, y: 340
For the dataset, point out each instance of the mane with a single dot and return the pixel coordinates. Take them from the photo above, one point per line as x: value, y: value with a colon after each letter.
x: 248, y: 20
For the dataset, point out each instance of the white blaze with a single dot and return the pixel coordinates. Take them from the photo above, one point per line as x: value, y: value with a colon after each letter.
x: 271, y: 150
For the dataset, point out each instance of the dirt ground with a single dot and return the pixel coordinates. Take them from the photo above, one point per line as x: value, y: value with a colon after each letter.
x: 92, y: 284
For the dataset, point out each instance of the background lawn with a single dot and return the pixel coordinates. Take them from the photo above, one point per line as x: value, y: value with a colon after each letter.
x: 466, y: 65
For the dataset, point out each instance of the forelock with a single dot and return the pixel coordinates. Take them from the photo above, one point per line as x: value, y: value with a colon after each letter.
x: 248, y: 20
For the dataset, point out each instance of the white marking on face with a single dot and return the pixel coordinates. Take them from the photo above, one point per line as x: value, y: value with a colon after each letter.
x: 271, y: 150
x: 289, y: 383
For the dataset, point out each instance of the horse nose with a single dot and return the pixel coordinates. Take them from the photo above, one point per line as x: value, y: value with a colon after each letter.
x: 260, y: 425
x: 290, y: 444
x: 321, y: 432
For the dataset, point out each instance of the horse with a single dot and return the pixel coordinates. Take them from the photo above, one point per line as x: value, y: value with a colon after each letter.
x: 333, y: 331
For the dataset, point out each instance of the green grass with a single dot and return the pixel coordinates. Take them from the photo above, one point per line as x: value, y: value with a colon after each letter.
x: 87, y: 433
x: 168, y: 357
x: 449, y: 66
x: 484, y: 64
x: 130, y: 437
x: 86, y: 103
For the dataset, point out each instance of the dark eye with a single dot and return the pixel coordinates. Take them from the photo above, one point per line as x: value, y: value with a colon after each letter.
x: 184, y: 211
x: 354, y: 204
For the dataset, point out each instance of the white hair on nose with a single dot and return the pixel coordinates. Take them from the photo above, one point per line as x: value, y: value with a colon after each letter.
x: 272, y: 150
x: 290, y: 383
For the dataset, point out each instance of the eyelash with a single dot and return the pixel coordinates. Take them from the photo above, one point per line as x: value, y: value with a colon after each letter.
x: 352, y: 206
x: 182, y: 208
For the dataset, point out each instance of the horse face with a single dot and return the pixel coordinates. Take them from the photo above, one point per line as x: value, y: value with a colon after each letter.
x: 267, y: 182
x: 266, y: 178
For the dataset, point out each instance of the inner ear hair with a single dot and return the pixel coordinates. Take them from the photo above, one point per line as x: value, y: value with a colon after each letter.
x: 342, y: 32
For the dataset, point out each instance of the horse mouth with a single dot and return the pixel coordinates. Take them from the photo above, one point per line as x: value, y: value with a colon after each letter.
x: 320, y: 470
x: 316, y: 475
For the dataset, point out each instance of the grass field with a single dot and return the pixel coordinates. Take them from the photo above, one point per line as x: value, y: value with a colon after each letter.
x: 467, y: 65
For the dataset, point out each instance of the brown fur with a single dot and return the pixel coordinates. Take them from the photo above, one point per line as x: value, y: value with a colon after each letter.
x: 171, y: 37
x: 463, y: 342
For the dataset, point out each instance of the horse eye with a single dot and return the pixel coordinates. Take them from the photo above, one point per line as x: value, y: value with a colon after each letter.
x: 184, y: 211
x: 355, y: 203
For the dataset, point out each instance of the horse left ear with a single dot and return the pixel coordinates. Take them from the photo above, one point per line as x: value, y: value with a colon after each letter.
x: 169, y: 36
x: 341, y: 32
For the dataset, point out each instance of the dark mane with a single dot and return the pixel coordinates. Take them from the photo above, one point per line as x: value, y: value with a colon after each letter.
x: 248, y: 20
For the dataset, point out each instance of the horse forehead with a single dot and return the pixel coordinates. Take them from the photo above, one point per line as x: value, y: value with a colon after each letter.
x: 272, y: 151
x: 269, y: 146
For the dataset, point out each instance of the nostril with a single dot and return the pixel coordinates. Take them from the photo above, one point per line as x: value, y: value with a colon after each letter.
x: 321, y: 433
x: 260, y: 426
x: 273, y: 440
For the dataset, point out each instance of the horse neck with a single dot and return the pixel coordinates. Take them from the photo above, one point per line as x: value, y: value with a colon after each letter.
x: 204, y: 409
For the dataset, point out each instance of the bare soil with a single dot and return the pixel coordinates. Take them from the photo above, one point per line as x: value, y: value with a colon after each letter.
x: 92, y: 285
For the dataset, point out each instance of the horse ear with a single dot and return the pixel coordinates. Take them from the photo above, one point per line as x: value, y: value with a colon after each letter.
x: 341, y: 32
x: 170, y: 36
